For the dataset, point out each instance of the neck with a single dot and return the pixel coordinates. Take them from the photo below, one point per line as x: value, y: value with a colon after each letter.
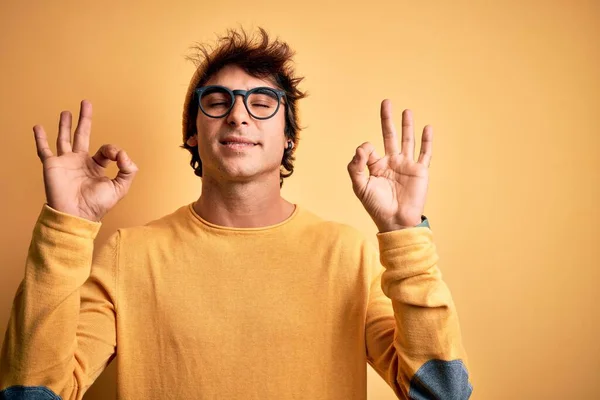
x: 251, y: 204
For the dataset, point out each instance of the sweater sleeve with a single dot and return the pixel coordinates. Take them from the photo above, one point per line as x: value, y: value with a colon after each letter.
x: 414, y: 340
x: 61, y: 333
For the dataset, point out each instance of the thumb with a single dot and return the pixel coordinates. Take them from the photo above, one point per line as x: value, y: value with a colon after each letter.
x: 127, y: 171
x: 357, y: 170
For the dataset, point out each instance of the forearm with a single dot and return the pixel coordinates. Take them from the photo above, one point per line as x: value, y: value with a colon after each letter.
x: 41, y: 339
x: 425, y: 337
x: 427, y: 322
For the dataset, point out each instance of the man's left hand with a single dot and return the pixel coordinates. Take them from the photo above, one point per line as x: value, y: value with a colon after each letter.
x: 394, y: 189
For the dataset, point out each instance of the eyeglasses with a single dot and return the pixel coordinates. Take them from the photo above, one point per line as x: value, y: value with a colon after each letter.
x: 217, y: 101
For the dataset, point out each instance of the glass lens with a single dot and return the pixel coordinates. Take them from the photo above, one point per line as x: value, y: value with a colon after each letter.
x: 216, y: 102
x: 262, y: 103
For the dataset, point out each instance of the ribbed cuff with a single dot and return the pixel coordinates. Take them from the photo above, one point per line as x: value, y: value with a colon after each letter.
x: 409, y: 252
x: 404, y: 237
x: 68, y: 223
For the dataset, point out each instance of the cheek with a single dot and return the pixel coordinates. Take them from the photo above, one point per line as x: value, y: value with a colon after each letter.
x: 279, y: 124
x: 281, y: 119
x: 204, y: 144
x: 207, y: 128
x: 276, y: 135
x: 207, y: 124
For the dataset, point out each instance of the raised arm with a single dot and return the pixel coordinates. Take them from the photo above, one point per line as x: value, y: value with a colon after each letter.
x: 413, y: 341
x: 61, y: 332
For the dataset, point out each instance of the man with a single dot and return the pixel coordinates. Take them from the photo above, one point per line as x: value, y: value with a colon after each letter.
x: 241, y: 294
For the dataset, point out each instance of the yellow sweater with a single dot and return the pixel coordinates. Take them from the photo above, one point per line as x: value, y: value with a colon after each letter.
x: 197, y: 311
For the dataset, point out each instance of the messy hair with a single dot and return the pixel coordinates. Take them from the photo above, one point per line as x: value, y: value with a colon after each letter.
x: 260, y: 57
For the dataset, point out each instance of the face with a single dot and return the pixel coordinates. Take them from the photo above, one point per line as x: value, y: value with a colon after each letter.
x: 238, y: 147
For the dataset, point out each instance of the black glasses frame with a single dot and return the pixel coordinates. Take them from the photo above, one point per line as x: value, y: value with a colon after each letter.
x: 238, y: 92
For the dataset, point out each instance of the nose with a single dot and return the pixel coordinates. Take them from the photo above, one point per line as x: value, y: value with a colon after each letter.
x: 238, y: 115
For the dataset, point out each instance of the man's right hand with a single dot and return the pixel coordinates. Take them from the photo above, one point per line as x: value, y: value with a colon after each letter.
x: 75, y: 182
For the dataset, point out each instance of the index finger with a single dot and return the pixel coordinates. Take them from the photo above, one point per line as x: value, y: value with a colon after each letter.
x: 41, y: 143
x: 81, y: 140
x: 390, y: 138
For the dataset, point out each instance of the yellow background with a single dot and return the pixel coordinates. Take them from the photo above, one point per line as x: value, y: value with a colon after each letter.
x: 511, y: 89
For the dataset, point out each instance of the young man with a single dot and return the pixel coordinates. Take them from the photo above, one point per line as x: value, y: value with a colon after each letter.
x: 241, y: 294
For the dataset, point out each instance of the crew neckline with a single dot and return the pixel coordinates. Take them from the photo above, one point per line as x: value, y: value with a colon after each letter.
x: 235, y: 229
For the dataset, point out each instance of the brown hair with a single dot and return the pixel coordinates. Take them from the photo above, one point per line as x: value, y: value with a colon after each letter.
x: 260, y: 57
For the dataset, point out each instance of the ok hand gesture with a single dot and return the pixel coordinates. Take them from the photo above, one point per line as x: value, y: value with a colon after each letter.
x: 75, y: 182
x: 394, y: 189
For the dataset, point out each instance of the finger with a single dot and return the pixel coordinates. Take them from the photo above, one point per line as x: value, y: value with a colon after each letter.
x: 41, y: 143
x: 390, y: 138
x: 364, y: 156
x: 368, y: 150
x: 81, y: 140
x: 127, y: 171
x: 106, y: 154
x: 408, y: 135
x: 426, y: 146
x: 63, y: 141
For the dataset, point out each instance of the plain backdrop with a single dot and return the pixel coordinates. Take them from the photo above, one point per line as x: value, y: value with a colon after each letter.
x: 511, y: 89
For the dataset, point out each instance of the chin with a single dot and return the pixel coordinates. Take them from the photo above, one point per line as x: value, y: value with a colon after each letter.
x: 237, y: 173
x: 246, y: 173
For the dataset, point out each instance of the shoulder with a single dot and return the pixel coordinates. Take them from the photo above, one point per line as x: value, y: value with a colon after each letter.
x: 337, y: 241
x: 160, y: 227
x: 338, y: 231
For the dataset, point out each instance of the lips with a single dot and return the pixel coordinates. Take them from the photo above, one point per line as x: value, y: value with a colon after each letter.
x: 237, y: 141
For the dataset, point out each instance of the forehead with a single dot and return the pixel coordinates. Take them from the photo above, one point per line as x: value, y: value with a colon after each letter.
x: 234, y: 77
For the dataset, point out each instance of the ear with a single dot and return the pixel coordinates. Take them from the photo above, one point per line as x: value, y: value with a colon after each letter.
x: 192, y: 141
x: 288, y: 145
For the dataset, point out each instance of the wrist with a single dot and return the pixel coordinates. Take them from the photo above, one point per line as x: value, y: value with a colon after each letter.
x: 73, y: 212
x: 389, y: 227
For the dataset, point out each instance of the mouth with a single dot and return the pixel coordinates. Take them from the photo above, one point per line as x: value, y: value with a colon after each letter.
x: 237, y: 143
